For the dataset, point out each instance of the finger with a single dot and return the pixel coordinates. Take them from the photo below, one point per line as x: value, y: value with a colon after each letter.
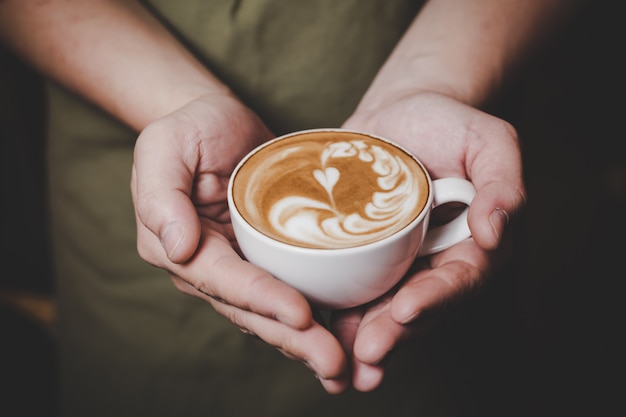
x: 218, y: 272
x: 366, y: 375
x: 377, y: 335
x: 161, y: 185
x: 495, y: 168
x: 314, y: 346
x: 453, y: 275
x: 491, y: 211
x: 375, y: 344
x: 344, y: 324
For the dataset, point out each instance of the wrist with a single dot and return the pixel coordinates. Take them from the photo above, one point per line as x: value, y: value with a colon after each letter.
x: 472, y: 86
x: 171, y: 98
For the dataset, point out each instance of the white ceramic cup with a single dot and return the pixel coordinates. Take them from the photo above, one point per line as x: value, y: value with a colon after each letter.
x: 345, y: 277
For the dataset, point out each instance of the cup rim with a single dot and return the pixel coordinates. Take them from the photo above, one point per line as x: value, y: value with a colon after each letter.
x: 357, y: 248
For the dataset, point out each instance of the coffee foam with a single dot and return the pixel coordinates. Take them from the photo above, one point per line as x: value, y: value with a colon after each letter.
x: 330, y: 190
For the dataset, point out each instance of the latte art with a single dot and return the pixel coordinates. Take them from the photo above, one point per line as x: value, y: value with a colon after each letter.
x: 325, y: 190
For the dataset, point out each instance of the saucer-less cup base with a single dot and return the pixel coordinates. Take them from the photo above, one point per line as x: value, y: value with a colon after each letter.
x: 348, y: 277
x: 333, y: 278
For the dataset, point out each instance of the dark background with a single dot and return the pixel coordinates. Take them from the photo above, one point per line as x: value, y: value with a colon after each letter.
x: 548, y: 338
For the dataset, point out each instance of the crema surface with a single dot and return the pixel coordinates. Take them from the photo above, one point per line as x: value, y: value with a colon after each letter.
x: 330, y: 189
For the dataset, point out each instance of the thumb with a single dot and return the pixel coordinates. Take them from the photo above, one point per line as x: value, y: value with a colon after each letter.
x: 161, y: 185
x: 495, y: 205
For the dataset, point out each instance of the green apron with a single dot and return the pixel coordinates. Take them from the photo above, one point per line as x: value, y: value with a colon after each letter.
x: 130, y: 343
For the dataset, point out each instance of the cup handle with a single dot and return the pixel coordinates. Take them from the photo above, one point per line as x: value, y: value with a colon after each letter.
x: 449, y: 190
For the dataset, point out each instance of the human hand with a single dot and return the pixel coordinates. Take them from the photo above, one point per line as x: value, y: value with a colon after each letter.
x: 452, y: 139
x: 182, y: 163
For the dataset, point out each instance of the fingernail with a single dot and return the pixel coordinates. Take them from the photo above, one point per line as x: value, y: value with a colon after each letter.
x: 171, y: 237
x: 498, y: 220
x: 410, y: 317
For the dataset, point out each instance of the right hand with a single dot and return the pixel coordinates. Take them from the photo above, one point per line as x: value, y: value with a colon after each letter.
x: 182, y: 163
x: 452, y: 139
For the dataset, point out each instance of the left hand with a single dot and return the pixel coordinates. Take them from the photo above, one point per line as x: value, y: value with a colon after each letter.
x: 451, y: 139
x: 182, y: 164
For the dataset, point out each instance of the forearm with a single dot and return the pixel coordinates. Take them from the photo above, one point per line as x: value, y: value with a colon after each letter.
x: 465, y: 48
x: 113, y: 53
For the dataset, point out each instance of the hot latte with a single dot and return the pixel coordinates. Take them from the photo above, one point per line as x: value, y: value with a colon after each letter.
x: 330, y: 189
